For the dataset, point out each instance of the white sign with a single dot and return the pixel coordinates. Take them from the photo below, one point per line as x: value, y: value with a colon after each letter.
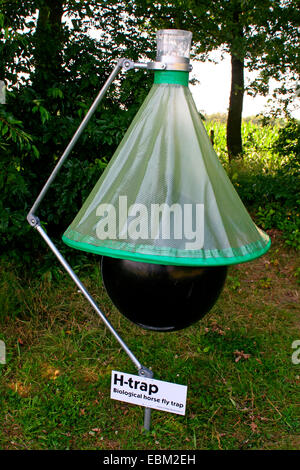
x: 147, y: 392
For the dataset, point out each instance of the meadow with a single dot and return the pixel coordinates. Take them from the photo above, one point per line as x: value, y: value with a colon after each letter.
x: 243, y: 387
x: 258, y: 141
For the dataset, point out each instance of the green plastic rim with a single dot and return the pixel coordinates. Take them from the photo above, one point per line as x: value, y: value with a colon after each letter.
x: 165, y: 260
x: 172, y: 77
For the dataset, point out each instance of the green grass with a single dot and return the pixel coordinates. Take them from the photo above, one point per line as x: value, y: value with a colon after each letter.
x: 243, y: 390
x: 55, y: 387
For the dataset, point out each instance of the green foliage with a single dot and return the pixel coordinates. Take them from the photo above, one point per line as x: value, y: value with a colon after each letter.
x: 258, y: 141
x: 267, y: 178
x: 285, y: 219
x: 15, y: 190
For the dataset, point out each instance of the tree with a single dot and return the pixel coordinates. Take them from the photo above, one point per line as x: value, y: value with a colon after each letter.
x: 260, y: 35
x: 48, y: 42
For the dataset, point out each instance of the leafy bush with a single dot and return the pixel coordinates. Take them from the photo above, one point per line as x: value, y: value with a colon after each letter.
x: 274, y: 215
x: 15, y: 189
x: 266, y: 179
x: 274, y: 201
x: 30, y: 148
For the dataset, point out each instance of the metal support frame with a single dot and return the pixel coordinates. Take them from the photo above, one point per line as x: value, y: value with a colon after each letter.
x: 33, y: 220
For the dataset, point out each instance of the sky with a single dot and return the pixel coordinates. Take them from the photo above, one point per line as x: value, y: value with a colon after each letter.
x: 211, y: 95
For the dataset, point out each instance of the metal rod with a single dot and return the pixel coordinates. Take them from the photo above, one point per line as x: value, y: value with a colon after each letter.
x: 147, y: 419
x: 76, y: 136
x: 90, y: 299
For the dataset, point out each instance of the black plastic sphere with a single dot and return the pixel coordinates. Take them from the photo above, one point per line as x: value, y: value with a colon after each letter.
x: 159, y: 297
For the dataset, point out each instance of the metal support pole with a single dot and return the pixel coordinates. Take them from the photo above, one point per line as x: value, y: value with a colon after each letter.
x: 147, y: 414
x: 34, y: 221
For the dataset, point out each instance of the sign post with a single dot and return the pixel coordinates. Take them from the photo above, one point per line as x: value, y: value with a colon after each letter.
x: 148, y: 392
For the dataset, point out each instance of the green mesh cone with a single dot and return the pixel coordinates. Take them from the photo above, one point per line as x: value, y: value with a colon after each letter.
x: 164, y: 197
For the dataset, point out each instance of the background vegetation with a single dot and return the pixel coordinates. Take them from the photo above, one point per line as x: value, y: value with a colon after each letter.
x: 54, y: 388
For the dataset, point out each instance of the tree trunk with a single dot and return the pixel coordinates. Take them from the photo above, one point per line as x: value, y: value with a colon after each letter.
x: 48, y: 45
x: 234, y: 120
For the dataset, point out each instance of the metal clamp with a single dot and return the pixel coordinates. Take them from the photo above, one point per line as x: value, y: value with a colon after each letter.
x: 33, y: 220
x: 167, y: 63
x: 129, y: 65
x: 170, y: 63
